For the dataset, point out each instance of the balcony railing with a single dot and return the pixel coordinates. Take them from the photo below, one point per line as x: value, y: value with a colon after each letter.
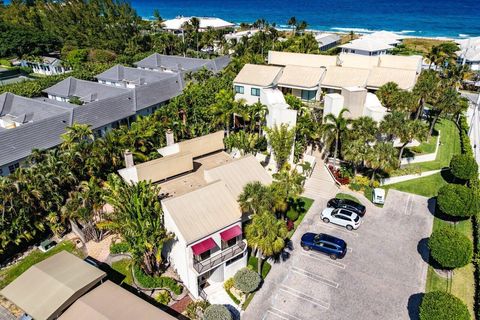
x: 226, y: 254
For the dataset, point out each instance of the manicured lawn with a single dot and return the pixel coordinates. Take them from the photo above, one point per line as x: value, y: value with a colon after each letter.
x: 124, y: 267
x: 347, y: 196
x: 426, y: 186
x: 427, y: 146
x: 449, y: 145
x: 9, y: 274
x: 308, y: 203
x: 462, y: 284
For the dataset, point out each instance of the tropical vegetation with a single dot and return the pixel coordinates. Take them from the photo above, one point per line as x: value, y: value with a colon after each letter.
x: 450, y: 248
x: 438, y: 305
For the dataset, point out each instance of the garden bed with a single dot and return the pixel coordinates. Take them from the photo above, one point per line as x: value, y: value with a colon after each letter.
x: 253, y: 264
x: 307, y: 204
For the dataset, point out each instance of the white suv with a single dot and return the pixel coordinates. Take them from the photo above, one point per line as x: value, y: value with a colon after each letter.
x: 342, y: 217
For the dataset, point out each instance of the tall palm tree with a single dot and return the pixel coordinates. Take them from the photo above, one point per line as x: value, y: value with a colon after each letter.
x: 383, y: 156
x: 411, y: 129
x: 391, y: 124
x: 281, y: 140
x: 266, y: 235
x: 287, y: 185
x: 387, y: 94
x: 138, y: 218
x: 426, y: 87
x: 255, y: 198
x: 356, y: 151
x: 224, y: 108
x: 158, y: 20
x: 293, y: 23
x: 333, y: 130
x: 195, y: 22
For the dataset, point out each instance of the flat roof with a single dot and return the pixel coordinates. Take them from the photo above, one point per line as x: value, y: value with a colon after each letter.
x: 201, y: 212
x: 50, y: 286
x: 111, y: 302
x: 205, y: 22
x: 258, y: 75
x: 368, y: 44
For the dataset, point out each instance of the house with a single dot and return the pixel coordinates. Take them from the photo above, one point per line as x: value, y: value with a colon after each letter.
x: 177, y: 24
x: 109, y: 301
x: 27, y: 124
x: 49, y: 287
x: 252, y: 78
x: 199, y: 186
x: 46, y: 65
x: 282, y: 59
x: 469, y: 53
x: 237, y: 36
x: 367, y: 47
x: 327, y: 40
x: 302, y: 82
x: 166, y: 63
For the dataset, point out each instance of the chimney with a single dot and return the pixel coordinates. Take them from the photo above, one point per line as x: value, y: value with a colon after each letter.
x: 170, y: 137
x: 128, y: 159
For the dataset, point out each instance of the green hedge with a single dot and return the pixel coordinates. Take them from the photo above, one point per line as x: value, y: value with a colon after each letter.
x: 246, y: 280
x: 147, y: 281
x: 458, y: 201
x: 439, y: 305
x: 119, y: 247
x: 217, y: 312
x: 450, y: 248
x: 464, y: 166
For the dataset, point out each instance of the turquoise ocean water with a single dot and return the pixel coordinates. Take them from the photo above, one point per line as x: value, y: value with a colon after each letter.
x: 427, y: 18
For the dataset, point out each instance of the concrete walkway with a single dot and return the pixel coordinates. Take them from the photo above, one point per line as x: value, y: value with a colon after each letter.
x: 320, y: 185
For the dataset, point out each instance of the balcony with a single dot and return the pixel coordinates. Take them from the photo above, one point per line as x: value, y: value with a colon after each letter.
x: 217, y: 259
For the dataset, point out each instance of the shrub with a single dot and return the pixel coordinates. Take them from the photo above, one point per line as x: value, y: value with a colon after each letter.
x: 163, y: 297
x: 364, y: 182
x: 217, y: 312
x: 439, y: 305
x: 290, y: 225
x: 119, y: 247
x: 292, y: 214
x: 246, y: 280
x: 195, y: 309
x: 450, y: 248
x: 338, y: 175
x: 5, y: 62
x: 147, y: 281
x: 228, y: 284
x: 458, y: 201
x: 464, y: 166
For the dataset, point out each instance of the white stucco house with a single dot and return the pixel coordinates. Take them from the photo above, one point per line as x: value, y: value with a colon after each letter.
x: 469, y: 52
x: 46, y: 65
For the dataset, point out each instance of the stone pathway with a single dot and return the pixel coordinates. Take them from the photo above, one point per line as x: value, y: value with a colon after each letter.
x: 100, y: 250
x: 320, y: 184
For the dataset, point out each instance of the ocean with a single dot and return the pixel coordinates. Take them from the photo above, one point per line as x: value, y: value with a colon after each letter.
x: 422, y: 18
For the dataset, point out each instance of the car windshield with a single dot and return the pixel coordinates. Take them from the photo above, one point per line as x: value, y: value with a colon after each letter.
x: 356, y: 219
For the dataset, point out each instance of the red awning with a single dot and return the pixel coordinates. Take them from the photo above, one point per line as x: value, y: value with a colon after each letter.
x: 203, y: 246
x: 231, y: 233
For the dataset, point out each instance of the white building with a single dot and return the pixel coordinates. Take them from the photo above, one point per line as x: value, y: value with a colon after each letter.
x: 176, y: 25
x: 327, y: 40
x: 469, y: 52
x: 46, y: 65
x: 252, y: 79
x: 366, y: 47
x: 200, y: 208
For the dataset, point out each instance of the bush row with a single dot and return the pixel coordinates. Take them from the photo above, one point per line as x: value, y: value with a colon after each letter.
x: 147, y: 281
x: 119, y: 247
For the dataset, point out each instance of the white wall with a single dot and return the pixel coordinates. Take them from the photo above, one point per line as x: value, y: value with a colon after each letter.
x: 247, y: 93
x: 364, y: 53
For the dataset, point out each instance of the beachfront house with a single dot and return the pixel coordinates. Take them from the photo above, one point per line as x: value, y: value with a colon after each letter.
x: 250, y: 81
x: 45, y: 65
x: 469, y: 53
x: 176, y: 25
x: 373, y: 44
x: 327, y: 41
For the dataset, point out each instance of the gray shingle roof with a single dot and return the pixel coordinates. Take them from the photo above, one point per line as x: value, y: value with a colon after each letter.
x: 158, y: 92
x: 162, y: 62
x: 87, y: 91
x: 139, y: 76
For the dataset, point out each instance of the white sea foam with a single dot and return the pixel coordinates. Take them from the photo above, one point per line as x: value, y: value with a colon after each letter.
x: 463, y: 35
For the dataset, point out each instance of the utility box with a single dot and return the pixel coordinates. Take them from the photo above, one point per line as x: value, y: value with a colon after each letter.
x: 378, y: 196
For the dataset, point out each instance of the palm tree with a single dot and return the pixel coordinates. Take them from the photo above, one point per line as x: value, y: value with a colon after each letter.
x: 333, y: 130
x: 411, y: 129
x: 447, y: 101
x: 224, y: 108
x: 391, y: 124
x: 363, y: 128
x: 158, y: 20
x: 356, y: 151
x: 426, y: 87
x: 292, y: 22
x: 302, y: 26
x: 287, y: 185
x: 266, y: 235
x: 387, y: 94
x: 433, y: 56
x: 195, y: 23
x: 138, y: 219
x: 383, y: 156
x: 281, y: 140
x: 255, y: 198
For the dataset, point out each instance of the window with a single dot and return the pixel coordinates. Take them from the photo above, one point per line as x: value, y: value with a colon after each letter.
x: 13, y: 167
x: 255, y: 92
x: 239, y: 89
x: 309, y: 94
x: 1, y: 172
x: 240, y: 256
x: 329, y: 246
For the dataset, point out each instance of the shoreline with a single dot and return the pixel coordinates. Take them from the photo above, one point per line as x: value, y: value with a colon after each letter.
x: 343, y: 31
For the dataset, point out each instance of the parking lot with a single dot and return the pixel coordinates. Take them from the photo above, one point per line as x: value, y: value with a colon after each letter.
x: 380, y: 277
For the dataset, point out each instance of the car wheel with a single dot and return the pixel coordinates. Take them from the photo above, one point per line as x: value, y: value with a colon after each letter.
x: 326, y: 220
x: 333, y: 257
x: 349, y: 228
x: 306, y: 248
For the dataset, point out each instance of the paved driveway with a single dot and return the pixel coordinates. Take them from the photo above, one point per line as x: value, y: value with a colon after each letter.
x: 380, y: 277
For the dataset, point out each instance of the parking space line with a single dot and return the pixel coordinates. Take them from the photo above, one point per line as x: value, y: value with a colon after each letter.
x: 349, y: 249
x: 316, y: 301
x: 409, y: 206
x: 315, y: 277
x: 282, y: 314
x: 340, y: 229
x: 326, y: 259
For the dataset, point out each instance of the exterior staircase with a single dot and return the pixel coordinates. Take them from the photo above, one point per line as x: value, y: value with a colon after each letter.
x: 320, y: 184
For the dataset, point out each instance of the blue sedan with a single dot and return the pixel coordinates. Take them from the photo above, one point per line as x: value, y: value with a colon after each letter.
x: 324, y: 243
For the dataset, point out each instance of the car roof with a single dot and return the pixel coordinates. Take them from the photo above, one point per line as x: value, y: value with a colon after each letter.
x: 332, y: 239
x: 352, y: 203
